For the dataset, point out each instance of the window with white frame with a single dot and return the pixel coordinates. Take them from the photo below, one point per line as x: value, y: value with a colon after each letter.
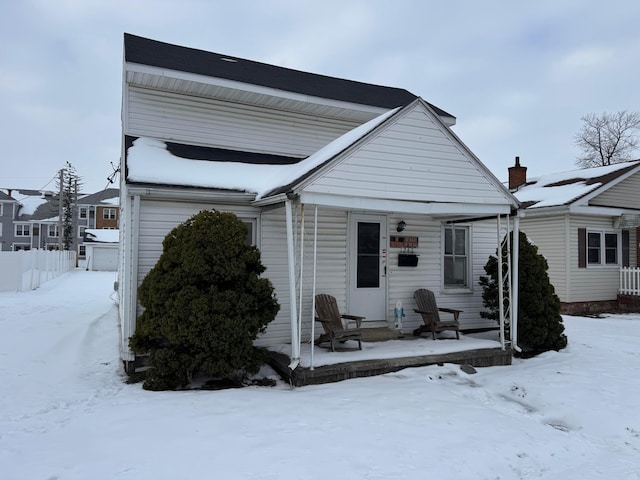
x: 109, y: 213
x: 81, y: 231
x: 0, y: 229
x: 23, y: 230
x: 251, y: 224
x: 1, y: 208
x: 82, y: 250
x: 83, y: 212
x: 456, y: 257
x: 603, y: 247
x: 53, y: 231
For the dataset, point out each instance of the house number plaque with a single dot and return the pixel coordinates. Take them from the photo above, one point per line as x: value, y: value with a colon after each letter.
x: 396, y: 241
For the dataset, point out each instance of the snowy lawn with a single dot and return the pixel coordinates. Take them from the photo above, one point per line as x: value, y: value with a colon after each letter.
x: 66, y: 413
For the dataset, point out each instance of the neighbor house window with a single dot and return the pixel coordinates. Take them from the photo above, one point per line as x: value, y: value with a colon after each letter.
x: 83, y: 212
x: 81, y: 231
x: 456, y: 256
x: 1, y: 207
x: 0, y: 229
x: 23, y: 230
x: 603, y: 248
x: 82, y: 250
x: 53, y: 231
x: 109, y: 213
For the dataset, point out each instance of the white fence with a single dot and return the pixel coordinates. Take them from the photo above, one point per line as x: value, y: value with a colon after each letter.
x: 630, y: 281
x: 28, y: 269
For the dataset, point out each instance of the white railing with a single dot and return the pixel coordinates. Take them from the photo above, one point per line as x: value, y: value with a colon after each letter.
x: 28, y: 269
x: 630, y: 281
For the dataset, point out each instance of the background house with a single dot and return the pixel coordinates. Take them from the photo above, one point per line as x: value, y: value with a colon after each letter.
x: 335, y: 179
x: 585, y: 222
x: 30, y: 219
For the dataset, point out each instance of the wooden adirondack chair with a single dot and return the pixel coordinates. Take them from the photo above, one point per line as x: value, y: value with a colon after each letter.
x: 427, y: 307
x: 328, y: 314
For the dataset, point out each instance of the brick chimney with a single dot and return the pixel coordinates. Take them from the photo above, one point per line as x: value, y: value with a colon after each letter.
x: 517, y: 175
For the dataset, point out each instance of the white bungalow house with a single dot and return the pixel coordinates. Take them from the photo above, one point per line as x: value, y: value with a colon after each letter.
x: 585, y: 222
x: 334, y: 178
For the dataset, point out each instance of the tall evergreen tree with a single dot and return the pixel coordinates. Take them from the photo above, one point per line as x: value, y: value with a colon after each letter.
x: 540, y: 326
x: 68, y: 186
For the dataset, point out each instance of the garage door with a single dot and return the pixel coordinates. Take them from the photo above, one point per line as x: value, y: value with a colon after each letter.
x: 104, y: 259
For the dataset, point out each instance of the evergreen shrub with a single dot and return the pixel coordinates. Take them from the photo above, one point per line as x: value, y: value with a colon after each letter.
x: 204, y: 304
x: 540, y: 326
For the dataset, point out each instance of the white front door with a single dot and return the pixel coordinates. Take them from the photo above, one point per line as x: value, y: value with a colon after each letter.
x: 368, y: 266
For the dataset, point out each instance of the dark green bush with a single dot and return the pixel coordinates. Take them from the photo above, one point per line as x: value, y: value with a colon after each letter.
x: 204, y: 304
x: 540, y: 326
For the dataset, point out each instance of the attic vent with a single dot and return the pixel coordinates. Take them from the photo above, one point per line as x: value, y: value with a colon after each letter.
x: 230, y: 60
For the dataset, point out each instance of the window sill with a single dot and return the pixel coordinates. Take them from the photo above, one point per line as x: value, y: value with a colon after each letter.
x: 455, y: 290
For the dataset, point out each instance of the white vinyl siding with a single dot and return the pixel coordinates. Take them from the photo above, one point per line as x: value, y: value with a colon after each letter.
x: 623, y: 195
x: 549, y: 235
x: 209, y: 122
x: 331, y: 274
x: 416, y: 159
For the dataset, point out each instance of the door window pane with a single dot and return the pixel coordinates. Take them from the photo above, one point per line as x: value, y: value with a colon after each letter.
x: 368, y: 255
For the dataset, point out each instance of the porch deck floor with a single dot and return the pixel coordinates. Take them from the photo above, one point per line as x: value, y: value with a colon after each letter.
x: 383, y: 352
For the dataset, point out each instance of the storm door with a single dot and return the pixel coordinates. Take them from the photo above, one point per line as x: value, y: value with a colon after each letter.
x: 368, y: 266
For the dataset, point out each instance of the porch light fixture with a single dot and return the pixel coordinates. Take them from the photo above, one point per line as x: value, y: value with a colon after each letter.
x: 401, y: 225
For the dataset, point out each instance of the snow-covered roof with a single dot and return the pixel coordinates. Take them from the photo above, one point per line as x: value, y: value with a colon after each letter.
x: 149, y: 161
x: 30, y: 203
x: 563, y: 188
x: 102, y: 235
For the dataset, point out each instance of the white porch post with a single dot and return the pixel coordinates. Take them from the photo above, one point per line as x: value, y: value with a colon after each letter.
x: 313, y: 288
x: 300, y: 284
x: 515, y: 284
x: 295, y: 337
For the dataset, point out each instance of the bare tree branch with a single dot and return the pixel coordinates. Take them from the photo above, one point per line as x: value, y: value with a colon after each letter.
x: 607, y: 138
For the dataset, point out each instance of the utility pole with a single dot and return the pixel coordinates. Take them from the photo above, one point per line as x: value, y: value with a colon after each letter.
x: 74, y: 221
x: 60, y: 209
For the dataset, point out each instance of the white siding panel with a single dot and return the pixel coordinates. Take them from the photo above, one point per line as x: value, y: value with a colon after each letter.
x: 331, y: 276
x: 209, y: 122
x: 413, y: 159
x: 548, y: 234
x: 626, y: 194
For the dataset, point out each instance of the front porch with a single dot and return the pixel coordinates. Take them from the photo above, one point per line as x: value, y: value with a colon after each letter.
x: 383, y: 352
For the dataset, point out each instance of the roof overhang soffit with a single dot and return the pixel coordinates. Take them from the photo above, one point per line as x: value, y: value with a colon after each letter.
x: 225, y: 89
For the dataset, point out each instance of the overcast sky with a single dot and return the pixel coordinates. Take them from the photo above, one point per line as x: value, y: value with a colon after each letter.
x: 517, y: 75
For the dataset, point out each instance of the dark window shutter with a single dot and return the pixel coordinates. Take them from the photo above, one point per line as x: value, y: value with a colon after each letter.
x: 625, y: 248
x: 582, y: 248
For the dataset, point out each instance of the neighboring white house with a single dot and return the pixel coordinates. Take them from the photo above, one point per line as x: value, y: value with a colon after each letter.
x: 585, y: 222
x: 334, y: 178
x: 102, y: 247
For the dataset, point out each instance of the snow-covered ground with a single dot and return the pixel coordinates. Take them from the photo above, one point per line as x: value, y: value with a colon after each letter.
x: 66, y: 413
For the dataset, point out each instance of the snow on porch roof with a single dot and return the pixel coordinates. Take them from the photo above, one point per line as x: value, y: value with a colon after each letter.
x: 563, y: 188
x: 149, y: 161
